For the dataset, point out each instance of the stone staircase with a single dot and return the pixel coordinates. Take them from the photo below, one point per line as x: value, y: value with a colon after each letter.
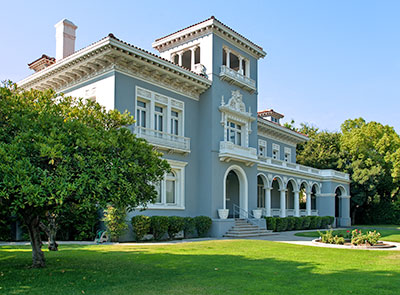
x: 244, y: 229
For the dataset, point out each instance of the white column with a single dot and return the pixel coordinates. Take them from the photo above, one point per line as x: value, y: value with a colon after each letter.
x: 296, y: 204
x: 192, y: 50
x: 308, y: 203
x: 240, y: 65
x: 180, y: 54
x: 228, y: 58
x: 168, y: 118
x: 268, y: 201
x: 151, y: 115
x: 283, y: 202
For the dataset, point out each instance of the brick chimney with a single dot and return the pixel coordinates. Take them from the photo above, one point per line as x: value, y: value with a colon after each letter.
x: 65, y: 39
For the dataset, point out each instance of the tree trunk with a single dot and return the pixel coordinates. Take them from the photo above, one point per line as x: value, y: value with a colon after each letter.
x: 38, y: 259
x: 51, y: 231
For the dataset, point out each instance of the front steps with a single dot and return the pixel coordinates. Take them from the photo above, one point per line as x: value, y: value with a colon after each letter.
x: 244, y: 229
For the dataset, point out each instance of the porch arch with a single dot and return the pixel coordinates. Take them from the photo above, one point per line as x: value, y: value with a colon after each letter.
x: 243, y: 186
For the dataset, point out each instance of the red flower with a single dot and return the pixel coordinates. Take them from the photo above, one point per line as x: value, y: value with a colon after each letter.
x: 348, y: 231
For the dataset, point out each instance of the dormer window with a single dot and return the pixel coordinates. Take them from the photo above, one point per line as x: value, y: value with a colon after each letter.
x: 235, y: 61
x: 271, y: 115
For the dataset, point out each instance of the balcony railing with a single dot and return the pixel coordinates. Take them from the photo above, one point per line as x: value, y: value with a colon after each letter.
x: 237, y: 78
x: 163, y: 140
x: 290, y: 212
x: 301, y: 168
x: 230, y: 151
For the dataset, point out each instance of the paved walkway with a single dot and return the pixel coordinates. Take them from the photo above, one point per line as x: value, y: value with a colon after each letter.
x: 282, y: 237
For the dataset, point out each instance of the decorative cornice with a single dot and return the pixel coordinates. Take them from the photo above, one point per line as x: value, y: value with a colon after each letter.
x: 112, y: 54
x: 280, y: 133
x: 211, y: 25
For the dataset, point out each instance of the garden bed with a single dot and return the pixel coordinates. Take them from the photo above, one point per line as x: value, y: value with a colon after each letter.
x: 348, y: 244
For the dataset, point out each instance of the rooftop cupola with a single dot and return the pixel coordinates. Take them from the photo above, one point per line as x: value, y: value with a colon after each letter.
x: 271, y: 115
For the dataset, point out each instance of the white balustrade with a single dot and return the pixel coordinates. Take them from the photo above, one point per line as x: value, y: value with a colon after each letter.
x: 237, y: 78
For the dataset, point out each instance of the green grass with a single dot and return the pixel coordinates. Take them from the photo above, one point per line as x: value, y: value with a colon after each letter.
x: 211, y: 267
x: 390, y: 235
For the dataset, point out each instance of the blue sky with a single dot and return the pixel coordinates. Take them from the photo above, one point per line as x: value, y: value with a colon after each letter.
x: 327, y: 61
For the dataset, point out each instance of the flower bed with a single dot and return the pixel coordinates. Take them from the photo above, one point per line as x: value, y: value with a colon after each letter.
x: 356, y: 239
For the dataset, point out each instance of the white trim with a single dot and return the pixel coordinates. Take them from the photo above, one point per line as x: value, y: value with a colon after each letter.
x: 178, y: 167
x: 243, y: 186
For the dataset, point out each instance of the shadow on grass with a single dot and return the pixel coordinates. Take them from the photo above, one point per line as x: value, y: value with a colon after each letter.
x: 251, y: 268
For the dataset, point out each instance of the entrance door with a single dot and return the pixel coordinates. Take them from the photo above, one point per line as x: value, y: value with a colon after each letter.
x: 232, y: 192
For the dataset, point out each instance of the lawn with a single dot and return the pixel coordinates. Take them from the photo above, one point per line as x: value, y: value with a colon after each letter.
x: 210, y: 267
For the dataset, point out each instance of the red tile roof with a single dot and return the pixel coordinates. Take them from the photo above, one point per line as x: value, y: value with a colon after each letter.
x: 214, y: 18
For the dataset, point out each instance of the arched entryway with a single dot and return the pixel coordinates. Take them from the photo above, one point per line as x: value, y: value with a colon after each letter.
x: 290, y: 201
x: 235, y: 190
x: 314, y: 192
x: 339, y: 192
x: 260, y: 192
x: 276, y: 188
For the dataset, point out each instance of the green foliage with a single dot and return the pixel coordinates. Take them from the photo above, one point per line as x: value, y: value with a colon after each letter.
x: 298, y: 223
x: 360, y: 238
x: 175, y: 225
x: 56, y: 151
x: 281, y: 224
x: 271, y: 223
x: 115, y: 222
x: 325, y: 221
x: 158, y: 226
x: 290, y: 223
x: 203, y: 225
x: 140, y: 226
x: 329, y: 238
x: 306, y: 222
x: 189, y: 227
x: 313, y: 222
x: 5, y: 225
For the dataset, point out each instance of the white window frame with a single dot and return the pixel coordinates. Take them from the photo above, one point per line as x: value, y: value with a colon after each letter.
x: 153, y: 99
x: 236, y: 130
x: 276, y: 148
x: 288, y: 155
x: 262, y: 148
x: 142, y: 109
x: 178, y: 168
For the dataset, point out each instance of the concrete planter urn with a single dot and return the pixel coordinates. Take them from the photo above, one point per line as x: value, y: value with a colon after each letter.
x: 223, y: 213
x: 257, y: 213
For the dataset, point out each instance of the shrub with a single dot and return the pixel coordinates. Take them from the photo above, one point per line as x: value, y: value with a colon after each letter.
x: 290, y: 223
x: 324, y: 221
x: 358, y: 238
x: 175, y: 225
x: 140, y: 226
x: 115, y: 222
x: 158, y: 226
x: 313, y: 222
x: 203, y: 225
x: 189, y: 227
x: 298, y: 223
x: 331, y: 220
x: 329, y: 238
x: 281, y: 224
x: 271, y: 223
x: 306, y: 222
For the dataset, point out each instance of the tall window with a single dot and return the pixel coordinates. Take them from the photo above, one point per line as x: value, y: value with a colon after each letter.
x: 197, y: 55
x: 174, y: 122
x: 158, y: 118
x: 141, y: 114
x: 260, y: 193
x: 158, y: 190
x: 234, y: 133
x: 170, y: 188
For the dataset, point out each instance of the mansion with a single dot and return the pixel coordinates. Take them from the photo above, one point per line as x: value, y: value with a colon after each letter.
x: 197, y: 103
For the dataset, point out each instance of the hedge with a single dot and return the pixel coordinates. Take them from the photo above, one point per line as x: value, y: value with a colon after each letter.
x: 298, y: 223
x: 159, y: 226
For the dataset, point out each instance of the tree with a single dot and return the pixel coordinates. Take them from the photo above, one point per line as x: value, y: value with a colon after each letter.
x: 370, y: 154
x: 56, y: 151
